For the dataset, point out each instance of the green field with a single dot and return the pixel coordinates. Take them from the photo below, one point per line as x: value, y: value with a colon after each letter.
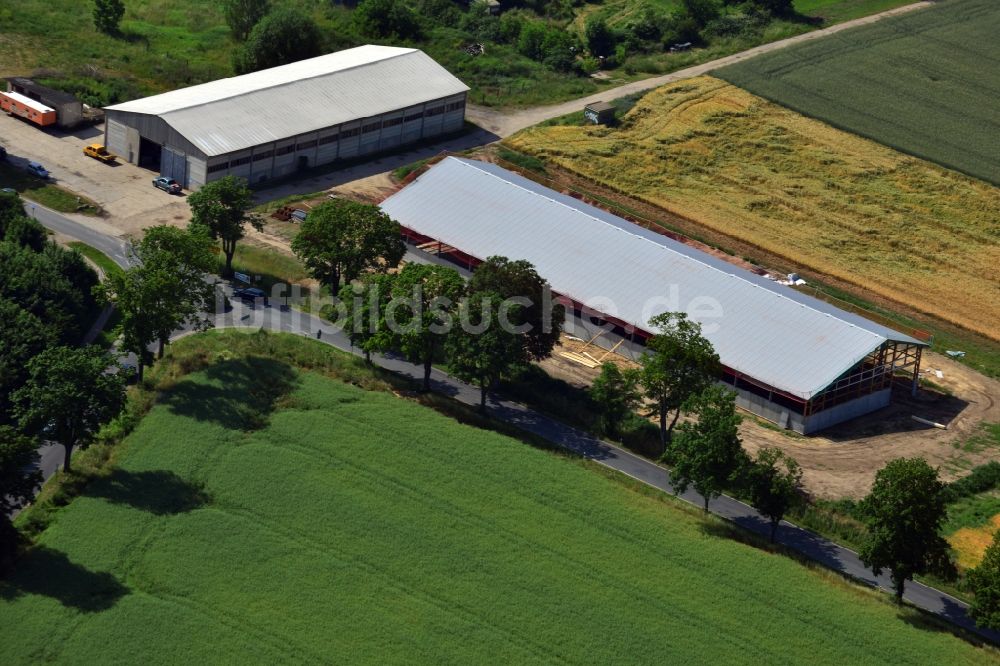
x: 926, y: 83
x: 261, y: 513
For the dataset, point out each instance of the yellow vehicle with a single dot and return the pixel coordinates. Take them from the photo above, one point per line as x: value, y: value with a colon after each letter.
x: 99, y: 152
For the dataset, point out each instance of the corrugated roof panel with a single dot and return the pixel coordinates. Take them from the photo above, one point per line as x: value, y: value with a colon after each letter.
x: 772, y: 333
x: 233, y: 114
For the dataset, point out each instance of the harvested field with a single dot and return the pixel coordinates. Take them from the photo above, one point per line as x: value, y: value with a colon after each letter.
x: 970, y: 543
x: 899, y: 227
x: 924, y: 82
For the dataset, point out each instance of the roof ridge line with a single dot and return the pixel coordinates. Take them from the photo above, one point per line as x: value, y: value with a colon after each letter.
x: 669, y: 249
x: 407, y: 51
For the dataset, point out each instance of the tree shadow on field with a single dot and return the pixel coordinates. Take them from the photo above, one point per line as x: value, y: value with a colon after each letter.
x: 159, y: 492
x: 50, y: 573
x: 242, y: 395
x: 955, y: 614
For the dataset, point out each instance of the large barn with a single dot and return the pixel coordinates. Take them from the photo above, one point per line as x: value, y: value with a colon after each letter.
x: 277, y: 121
x: 792, y: 359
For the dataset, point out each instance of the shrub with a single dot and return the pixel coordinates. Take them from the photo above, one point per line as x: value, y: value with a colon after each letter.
x: 387, y: 18
x: 980, y: 480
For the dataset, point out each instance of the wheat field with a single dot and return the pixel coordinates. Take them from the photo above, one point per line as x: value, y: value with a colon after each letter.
x: 827, y: 200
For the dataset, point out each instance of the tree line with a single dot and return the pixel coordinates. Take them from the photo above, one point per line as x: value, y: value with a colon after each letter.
x: 50, y: 387
x: 354, y: 251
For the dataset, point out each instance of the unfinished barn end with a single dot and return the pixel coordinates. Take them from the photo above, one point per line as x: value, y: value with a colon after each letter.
x: 277, y: 121
x: 793, y: 359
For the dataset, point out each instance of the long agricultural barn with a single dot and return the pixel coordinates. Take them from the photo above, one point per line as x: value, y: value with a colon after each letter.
x: 793, y: 359
x: 277, y: 121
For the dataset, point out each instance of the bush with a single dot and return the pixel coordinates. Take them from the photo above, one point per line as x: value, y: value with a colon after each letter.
x: 282, y: 37
x: 641, y: 436
x: 600, y: 39
x: 980, y: 480
x: 480, y: 25
x: 387, y: 18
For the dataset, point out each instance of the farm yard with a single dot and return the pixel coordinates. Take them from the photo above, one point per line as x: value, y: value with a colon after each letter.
x: 265, y: 512
x: 925, y: 83
x: 826, y: 200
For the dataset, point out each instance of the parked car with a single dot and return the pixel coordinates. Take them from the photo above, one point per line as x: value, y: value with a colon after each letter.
x: 36, y: 169
x: 99, y: 152
x: 250, y: 294
x: 168, y: 185
x: 299, y: 215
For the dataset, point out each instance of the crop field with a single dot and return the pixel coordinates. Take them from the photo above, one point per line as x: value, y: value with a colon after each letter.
x: 261, y: 513
x: 926, y: 83
x: 823, y: 199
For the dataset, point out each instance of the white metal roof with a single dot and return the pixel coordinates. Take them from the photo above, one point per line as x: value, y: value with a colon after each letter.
x: 766, y: 331
x: 28, y: 102
x: 243, y: 111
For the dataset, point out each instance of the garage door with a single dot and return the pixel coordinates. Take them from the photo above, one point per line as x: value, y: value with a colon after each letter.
x: 117, y: 138
x: 173, y: 164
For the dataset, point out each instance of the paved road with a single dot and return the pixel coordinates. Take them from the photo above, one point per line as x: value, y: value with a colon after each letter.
x: 503, y: 123
x: 812, y: 546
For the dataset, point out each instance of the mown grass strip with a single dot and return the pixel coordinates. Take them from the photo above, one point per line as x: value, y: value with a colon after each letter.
x: 45, y: 193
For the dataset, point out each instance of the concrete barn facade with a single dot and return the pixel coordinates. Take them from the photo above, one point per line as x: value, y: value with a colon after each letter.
x: 275, y: 122
x: 792, y: 359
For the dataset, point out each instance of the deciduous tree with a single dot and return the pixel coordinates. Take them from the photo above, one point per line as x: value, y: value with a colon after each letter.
x: 600, y: 38
x: 774, y: 481
x: 243, y: 15
x: 108, y: 15
x: 24, y: 336
x: 480, y: 348
x: 541, y: 316
x: 223, y: 208
x: 69, y: 395
x: 421, y: 314
x: 137, y: 293
x: 181, y: 259
x: 340, y: 239
x: 364, y: 304
x: 284, y: 36
x: 616, y: 394
x: 984, y: 581
x: 387, y: 18
x: 681, y: 363
x: 707, y: 453
x: 18, y: 480
x: 903, y: 513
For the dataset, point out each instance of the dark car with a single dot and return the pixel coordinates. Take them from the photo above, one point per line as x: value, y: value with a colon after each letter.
x: 167, y: 184
x: 250, y: 294
x: 299, y: 215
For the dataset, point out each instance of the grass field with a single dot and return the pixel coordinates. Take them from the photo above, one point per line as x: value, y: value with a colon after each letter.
x: 826, y: 200
x: 925, y: 83
x: 260, y: 513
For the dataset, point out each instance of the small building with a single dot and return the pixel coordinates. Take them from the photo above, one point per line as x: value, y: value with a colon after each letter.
x: 31, y: 110
x: 275, y: 122
x: 68, y: 109
x: 599, y: 113
x: 792, y: 359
